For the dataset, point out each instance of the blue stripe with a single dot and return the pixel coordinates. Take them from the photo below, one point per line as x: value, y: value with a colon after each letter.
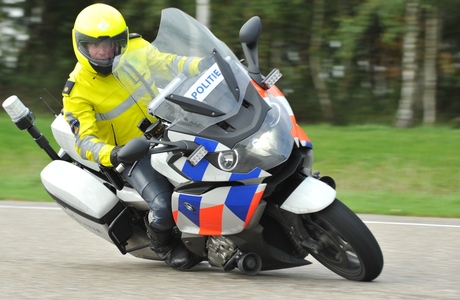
x: 195, y: 202
x: 239, y: 199
x: 197, y: 172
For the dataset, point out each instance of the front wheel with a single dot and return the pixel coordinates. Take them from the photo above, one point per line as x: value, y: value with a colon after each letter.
x: 348, y: 248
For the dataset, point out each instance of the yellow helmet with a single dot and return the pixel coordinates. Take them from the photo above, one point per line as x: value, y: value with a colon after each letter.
x: 99, y: 25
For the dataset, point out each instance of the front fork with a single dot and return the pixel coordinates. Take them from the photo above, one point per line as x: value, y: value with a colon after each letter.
x: 295, y: 229
x: 293, y: 223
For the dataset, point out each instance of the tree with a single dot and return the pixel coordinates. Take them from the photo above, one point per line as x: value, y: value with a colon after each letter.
x: 203, y: 12
x: 432, y: 29
x: 389, y: 51
x: 317, y: 72
x: 405, y: 113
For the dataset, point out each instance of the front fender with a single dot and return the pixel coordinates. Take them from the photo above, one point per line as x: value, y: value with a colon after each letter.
x: 310, y: 196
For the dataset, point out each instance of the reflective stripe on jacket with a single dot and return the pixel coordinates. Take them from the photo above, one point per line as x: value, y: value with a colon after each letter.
x: 101, y: 112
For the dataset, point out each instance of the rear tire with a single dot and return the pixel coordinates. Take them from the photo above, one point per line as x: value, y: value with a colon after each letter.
x: 349, y: 248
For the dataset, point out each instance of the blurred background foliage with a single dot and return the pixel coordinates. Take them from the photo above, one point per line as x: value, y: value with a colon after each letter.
x: 343, y: 61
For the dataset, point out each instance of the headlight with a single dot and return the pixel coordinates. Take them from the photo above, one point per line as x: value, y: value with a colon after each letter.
x: 265, y: 144
x: 227, y: 160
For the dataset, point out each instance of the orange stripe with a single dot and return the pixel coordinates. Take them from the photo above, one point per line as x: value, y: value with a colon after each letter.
x: 274, y: 91
x: 297, y: 131
x: 175, y: 215
x: 253, y: 207
x: 213, y: 217
x: 260, y: 90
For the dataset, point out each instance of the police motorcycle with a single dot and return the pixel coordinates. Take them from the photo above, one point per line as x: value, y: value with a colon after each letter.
x: 244, y: 195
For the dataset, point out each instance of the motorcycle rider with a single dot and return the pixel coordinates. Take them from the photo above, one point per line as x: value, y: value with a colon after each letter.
x: 103, y: 117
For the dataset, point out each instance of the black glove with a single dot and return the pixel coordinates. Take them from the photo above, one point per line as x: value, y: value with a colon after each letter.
x: 114, y: 156
x: 205, y: 63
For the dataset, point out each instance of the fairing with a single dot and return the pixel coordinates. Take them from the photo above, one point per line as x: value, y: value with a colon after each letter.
x: 220, y: 108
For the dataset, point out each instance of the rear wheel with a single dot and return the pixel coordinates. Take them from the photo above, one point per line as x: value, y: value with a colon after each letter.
x: 348, y: 248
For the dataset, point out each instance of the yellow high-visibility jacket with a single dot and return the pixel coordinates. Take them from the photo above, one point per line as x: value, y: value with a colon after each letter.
x: 101, y: 112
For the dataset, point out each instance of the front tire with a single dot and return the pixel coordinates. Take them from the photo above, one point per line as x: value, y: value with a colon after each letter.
x: 349, y: 249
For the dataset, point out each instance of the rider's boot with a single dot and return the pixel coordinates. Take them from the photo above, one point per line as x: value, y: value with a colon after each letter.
x: 172, y: 251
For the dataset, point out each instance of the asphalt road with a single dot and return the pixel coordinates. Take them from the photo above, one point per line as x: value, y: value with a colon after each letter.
x: 46, y: 255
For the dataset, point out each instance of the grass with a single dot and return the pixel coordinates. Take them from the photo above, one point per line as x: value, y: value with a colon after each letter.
x: 385, y: 170
x: 378, y: 169
x: 22, y: 160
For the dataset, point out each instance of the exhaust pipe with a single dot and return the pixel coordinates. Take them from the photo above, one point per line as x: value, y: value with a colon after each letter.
x: 250, y: 264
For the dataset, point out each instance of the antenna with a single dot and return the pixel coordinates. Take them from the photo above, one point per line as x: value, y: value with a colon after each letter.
x: 53, y: 97
x: 49, y: 107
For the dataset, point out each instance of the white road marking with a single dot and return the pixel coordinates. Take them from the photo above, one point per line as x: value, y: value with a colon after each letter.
x: 412, y: 224
x: 30, y: 207
x: 367, y: 222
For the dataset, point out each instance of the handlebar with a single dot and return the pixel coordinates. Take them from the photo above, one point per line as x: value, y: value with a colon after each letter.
x: 139, y: 147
